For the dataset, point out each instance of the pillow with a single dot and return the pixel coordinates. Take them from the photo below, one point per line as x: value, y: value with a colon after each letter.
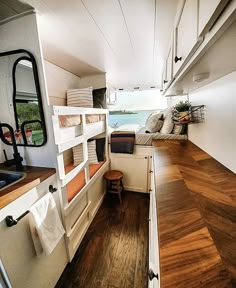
x: 100, y: 147
x: 167, y: 112
x: 154, y: 122
x: 78, y: 153
x: 178, y: 129
x: 99, y: 98
x: 168, y: 125
x: 80, y: 97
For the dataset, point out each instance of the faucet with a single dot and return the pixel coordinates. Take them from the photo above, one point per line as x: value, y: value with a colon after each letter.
x: 17, y: 158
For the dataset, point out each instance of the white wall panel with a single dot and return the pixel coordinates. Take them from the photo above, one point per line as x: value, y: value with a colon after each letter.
x: 22, y: 33
x: 59, y: 80
x: 217, y: 135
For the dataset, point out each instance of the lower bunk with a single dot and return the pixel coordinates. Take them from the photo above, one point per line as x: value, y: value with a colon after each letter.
x: 83, y: 200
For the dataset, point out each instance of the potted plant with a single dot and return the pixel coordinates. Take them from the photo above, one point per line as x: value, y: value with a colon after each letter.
x: 181, y: 110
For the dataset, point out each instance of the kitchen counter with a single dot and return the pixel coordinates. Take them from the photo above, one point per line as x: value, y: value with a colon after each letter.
x: 34, y: 176
x: 187, y: 198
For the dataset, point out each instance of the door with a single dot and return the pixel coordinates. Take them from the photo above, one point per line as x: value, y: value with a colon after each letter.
x: 135, y: 170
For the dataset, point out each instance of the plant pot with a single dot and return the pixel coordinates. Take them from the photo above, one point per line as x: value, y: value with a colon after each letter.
x: 183, y: 114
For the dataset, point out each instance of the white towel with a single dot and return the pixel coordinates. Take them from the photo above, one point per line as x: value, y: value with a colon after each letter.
x: 45, y: 225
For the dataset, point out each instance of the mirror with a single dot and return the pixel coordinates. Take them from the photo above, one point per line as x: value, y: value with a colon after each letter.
x: 30, y: 129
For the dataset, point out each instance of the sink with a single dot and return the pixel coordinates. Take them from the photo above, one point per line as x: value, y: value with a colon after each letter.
x: 8, y: 178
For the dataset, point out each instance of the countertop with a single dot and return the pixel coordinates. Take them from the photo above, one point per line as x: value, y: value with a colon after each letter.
x: 186, y: 200
x: 34, y: 176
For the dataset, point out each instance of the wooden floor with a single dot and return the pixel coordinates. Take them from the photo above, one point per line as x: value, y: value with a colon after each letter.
x: 114, y: 251
x: 196, y: 217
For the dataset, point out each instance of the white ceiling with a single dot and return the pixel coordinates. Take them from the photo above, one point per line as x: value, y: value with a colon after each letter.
x: 124, y: 38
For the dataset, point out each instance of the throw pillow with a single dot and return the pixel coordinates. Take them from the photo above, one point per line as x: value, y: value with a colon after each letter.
x: 100, y: 147
x: 99, y: 98
x: 168, y: 125
x: 178, y: 129
x: 80, y: 97
x: 78, y: 153
x: 154, y: 122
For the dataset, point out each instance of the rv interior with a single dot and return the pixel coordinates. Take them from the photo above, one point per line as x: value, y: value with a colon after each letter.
x: 117, y: 151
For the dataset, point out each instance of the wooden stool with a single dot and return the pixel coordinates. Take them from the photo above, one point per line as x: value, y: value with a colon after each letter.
x: 114, y: 182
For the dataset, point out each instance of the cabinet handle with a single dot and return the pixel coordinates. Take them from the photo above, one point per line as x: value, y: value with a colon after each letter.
x: 177, y: 59
x: 150, y: 190
x: 150, y: 171
x: 52, y: 189
x: 145, y: 157
x: 165, y: 81
x: 152, y: 275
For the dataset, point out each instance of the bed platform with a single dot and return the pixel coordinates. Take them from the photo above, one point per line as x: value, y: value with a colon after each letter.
x: 79, y: 181
x: 143, y: 138
x: 82, y: 187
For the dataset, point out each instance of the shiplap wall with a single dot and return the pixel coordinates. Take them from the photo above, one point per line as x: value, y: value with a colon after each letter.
x: 96, y: 81
x: 58, y: 81
x: 217, y: 135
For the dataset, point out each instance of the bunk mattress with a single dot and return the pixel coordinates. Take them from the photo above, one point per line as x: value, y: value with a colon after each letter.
x: 78, y: 182
x: 74, y: 120
x: 142, y: 138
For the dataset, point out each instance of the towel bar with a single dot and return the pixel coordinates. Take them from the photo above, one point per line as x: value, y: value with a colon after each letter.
x: 10, y: 221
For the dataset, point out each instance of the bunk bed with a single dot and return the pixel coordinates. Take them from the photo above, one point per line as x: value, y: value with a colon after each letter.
x: 82, y: 188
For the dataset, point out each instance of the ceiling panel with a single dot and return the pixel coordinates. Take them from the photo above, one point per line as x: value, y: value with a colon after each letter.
x: 9, y: 8
x: 140, y: 19
x: 120, y: 37
x: 108, y: 16
x: 16, y: 6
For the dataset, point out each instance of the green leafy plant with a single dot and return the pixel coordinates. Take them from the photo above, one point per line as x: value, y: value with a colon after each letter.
x: 182, y: 106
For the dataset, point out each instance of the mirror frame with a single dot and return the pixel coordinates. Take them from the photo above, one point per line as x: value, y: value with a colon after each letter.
x: 30, y: 58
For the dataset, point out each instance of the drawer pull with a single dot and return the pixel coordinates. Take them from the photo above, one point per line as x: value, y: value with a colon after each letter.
x: 152, y: 275
x: 165, y: 81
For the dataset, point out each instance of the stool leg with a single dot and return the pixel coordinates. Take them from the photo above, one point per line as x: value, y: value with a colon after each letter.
x: 120, y: 197
x: 118, y: 190
x: 121, y: 184
x: 107, y: 186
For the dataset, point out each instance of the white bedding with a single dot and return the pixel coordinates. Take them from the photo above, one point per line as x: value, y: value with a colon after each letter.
x: 142, y: 138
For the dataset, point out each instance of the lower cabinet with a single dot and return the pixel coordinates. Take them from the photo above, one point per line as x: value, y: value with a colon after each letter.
x: 136, y: 168
x: 17, y: 251
x: 154, y: 267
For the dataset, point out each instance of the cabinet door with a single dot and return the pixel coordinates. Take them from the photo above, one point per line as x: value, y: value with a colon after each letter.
x: 135, y: 171
x: 153, y: 237
x: 208, y: 13
x: 186, y: 35
x: 169, y: 66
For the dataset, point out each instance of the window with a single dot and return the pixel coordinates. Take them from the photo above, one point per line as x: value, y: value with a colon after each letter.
x: 135, y: 107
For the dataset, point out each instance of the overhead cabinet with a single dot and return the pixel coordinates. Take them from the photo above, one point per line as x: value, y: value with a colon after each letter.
x: 186, y: 34
x: 209, y: 11
x: 168, y: 68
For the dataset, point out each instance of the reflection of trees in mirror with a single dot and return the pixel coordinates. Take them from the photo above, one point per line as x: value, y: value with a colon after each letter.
x: 27, y: 112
